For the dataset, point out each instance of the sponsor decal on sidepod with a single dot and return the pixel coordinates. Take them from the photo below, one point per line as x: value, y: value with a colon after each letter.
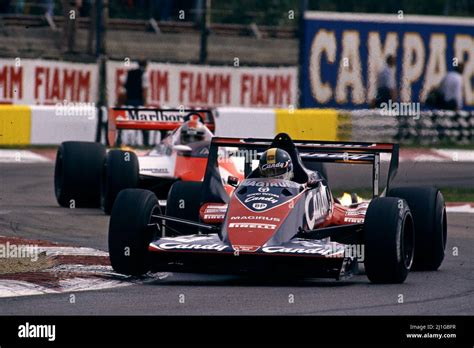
x: 255, y: 217
x: 180, y: 246
x: 259, y: 206
x: 284, y: 184
x: 286, y: 250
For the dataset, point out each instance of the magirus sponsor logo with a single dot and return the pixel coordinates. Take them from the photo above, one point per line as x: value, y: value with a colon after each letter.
x: 255, y: 217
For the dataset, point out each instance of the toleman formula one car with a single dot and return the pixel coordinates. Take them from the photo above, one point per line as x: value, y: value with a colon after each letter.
x: 87, y: 175
x: 276, y: 226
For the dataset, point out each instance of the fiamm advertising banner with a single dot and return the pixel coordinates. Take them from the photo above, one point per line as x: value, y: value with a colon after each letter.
x: 172, y: 85
x: 343, y: 54
x: 44, y: 82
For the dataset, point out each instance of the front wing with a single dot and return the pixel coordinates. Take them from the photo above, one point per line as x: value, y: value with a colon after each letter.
x: 208, y: 254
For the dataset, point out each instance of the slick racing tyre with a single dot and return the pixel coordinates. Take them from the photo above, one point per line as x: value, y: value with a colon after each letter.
x: 429, y: 214
x: 183, y: 202
x: 77, y: 173
x: 120, y: 171
x: 389, y: 240
x: 129, y: 233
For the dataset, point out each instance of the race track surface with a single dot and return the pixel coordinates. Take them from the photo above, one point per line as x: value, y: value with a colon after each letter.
x: 28, y: 209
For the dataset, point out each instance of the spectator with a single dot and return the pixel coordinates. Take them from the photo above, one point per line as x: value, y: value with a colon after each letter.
x: 136, y: 87
x: 165, y: 9
x: 49, y: 7
x: 386, y: 87
x: 20, y: 7
x: 451, y: 89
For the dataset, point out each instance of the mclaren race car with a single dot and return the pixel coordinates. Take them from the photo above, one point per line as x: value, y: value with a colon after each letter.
x: 281, y: 226
x: 88, y: 175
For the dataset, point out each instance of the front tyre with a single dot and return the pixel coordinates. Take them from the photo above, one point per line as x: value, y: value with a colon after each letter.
x: 129, y: 233
x: 389, y: 240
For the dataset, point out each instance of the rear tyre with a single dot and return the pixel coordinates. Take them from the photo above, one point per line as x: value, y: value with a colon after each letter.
x: 129, y: 233
x: 389, y: 240
x: 120, y: 171
x: 429, y: 215
x: 77, y: 173
x: 183, y: 202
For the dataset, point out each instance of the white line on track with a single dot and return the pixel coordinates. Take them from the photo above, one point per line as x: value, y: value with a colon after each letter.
x: 21, y: 156
x: 462, y: 208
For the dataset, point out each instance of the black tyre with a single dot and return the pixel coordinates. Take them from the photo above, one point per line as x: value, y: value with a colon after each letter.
x: 389, y: 240
x: 120, y: 171
x: 183, y: 202
x: 429, y: 214
x: 129, y: 233
x: 77, y: 173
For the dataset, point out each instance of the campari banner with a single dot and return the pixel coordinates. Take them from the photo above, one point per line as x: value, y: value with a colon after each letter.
x: 208, y: 86
x: 44, y: 82
x: 343, y: 54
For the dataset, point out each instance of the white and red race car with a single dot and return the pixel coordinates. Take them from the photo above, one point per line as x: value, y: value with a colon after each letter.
x: 87, y: 175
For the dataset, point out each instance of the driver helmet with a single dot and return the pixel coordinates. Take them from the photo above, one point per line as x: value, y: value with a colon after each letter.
x: 192, y: 131
x: 276, y: 163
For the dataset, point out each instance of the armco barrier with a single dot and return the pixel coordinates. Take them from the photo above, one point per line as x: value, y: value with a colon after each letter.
x: 50, y: 125
x: 55, y: 124
x: 46, y: 125
x: 15, y: 124
x: 245, y: 122
x: 322, y: 124
x: 308, y: 124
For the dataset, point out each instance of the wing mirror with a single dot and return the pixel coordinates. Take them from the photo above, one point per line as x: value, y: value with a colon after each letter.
x: 233, y: 181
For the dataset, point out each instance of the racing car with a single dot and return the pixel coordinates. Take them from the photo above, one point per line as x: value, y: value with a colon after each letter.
x: 277, y: 225
x: 87, y: 175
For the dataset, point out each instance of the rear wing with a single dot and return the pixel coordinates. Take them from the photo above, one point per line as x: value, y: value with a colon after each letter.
x: 153, y: 119
x: 328, y: 151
